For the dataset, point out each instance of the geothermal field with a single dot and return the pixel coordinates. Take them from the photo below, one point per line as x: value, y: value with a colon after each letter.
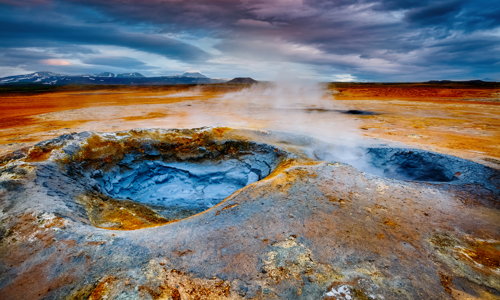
x: 269, y: 190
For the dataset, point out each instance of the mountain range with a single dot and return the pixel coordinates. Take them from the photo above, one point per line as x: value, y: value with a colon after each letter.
x: 49, y: 78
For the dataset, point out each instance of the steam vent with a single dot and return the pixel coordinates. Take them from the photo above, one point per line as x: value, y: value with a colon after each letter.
x: 220, y: 213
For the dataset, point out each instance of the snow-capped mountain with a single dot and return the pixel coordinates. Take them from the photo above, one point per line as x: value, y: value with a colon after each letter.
x: 105, y: 74
x: 130, y: 75
x: 133, y: 78
x: 33, y: 77
x: 113, y: 75
x: 193, y: 75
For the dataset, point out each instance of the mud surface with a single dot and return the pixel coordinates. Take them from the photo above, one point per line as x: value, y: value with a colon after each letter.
x: 311, y: 227
x: 407, y: 164
x: 404, y: 215
x: 178, y: 176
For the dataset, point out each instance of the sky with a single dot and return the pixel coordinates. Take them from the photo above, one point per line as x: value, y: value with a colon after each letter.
x: 323, y: 40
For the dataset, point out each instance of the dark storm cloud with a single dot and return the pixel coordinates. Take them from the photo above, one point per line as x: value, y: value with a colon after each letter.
x: 26, y: 33
x: 41, y: 60
x: 51, y: 61
x: 392, y: 5
x: 376, y: 39
x: 223, y: 14
x: 118, y: 62
x: 16, y: 57
x: 73, y: 50
x: 23, y: 2
x: 192, y: 15
x: 435, y: 13
x: 479, y: 53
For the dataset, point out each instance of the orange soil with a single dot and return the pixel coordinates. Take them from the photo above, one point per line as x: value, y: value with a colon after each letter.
x: 18, y: 113
x: 458, y: 121
x: 416, y: 93
x: 17, y: 110
x: 462, y: 122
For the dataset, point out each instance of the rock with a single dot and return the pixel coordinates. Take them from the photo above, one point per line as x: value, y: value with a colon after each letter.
x: 242, y: 80
x: 352, y: 234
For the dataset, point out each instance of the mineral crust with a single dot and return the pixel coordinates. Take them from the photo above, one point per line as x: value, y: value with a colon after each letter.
x: 220, y: 213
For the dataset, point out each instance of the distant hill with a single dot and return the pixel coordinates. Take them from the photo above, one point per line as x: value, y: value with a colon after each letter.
x: 459, y: 81
x: 37, y: 77
x: 242, y: 80
x: 49, y: 78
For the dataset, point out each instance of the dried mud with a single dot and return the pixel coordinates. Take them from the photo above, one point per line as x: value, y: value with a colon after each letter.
x: 312, y: 229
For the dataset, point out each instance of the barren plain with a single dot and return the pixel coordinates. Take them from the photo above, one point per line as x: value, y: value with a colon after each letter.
x: 458, y: 120
x: 367, y: 191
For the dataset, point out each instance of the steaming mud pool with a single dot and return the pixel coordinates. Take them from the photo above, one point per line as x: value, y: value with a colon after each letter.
x: 220, y: 213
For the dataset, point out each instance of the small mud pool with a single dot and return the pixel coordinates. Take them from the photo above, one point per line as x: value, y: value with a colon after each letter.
x: 345, y: 112
x: 145, y: 178
x: 407, y: 164
x: 177, y: 174
x: 176, y: 187
x: 412, y: 164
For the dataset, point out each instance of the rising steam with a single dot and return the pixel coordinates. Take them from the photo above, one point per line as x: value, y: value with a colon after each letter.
x: 288, y: 105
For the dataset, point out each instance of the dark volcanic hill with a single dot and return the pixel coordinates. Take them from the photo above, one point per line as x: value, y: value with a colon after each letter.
x: 242, y: 80
x: 460, y: 81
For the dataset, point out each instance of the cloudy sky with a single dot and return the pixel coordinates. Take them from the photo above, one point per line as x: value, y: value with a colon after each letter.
x: 327, y: 40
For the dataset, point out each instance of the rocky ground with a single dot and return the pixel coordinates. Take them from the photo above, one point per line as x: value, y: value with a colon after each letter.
x: 312, y: 229
x: 404, y: 223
